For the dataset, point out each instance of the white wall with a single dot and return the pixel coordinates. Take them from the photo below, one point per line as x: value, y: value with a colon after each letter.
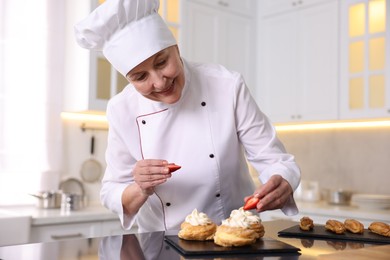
x: 77, y: 150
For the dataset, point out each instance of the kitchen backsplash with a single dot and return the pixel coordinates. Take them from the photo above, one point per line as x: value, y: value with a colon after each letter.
x: 77, y: 150
x: 350, y: 159
x: 356, y: 159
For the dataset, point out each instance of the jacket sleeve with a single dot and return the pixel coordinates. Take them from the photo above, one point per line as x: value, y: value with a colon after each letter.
x: 264, y: 151
x: 119, y: 166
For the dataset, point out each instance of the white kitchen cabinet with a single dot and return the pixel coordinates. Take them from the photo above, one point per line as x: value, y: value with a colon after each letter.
x: 236, y: 6
x: 213, y: 33
x: 365, y: 57
x: 298, y: 62
x: 272, y: 7
x: 72, y: 230
x: 56, y: 232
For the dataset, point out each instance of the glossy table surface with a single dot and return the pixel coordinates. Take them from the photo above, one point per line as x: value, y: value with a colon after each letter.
x: 152, y: 246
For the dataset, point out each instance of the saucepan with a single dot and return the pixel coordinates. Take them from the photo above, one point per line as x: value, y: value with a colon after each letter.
x: 339, y: 197
x: 48, y: 199
x: 73, y: 195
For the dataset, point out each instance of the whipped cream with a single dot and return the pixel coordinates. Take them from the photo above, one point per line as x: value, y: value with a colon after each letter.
x: 198, y: 218
x: 241, y: 218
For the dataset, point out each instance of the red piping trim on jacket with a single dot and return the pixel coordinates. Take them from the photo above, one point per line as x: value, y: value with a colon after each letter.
x: 142, y: 155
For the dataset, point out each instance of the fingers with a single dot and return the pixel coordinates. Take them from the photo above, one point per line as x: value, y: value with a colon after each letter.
x: 150, y: 173
x: 274, y: 194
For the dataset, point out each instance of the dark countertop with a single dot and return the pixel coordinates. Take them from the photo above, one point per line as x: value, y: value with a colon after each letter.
x: 152, y: 246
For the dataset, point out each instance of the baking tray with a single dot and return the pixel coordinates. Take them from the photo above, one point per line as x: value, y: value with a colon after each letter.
x: 263, y: 246
x: 319, y: 232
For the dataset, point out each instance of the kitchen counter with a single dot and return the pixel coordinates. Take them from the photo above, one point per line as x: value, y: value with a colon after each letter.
x: 56, y: 216
x: 29, y: 224
x: 151, y: 246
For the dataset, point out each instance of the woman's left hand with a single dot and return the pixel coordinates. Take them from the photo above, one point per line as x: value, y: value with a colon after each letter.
x: 273, y: 195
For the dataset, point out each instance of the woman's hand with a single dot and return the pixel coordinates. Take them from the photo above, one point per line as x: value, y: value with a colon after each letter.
x: 273, y: 195
x: 150, y: 173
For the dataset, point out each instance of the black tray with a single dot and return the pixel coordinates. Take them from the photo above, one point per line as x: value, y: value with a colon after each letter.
x: 319, y: 232
x: 264, y: 246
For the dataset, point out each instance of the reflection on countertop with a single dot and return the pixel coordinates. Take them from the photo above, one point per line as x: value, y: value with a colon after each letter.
x: 152, y: 246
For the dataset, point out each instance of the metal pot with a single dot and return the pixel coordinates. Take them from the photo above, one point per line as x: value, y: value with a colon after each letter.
x: 339, y: 197
x: 48, y: 199
x: 72, y: 201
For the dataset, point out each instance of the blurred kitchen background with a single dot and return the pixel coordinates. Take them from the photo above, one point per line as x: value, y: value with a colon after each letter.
x: 318, y: 68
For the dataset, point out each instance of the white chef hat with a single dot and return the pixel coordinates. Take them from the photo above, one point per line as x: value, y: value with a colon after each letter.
x: 127, y: 31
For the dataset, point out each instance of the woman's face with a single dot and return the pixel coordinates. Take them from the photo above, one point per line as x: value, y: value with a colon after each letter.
x: 160, y: 77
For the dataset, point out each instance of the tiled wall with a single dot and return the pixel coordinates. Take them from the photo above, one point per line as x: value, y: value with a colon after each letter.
x: 356, y: 159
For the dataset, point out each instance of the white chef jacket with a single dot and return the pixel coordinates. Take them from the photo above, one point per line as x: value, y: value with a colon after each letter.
x: 211, y: 131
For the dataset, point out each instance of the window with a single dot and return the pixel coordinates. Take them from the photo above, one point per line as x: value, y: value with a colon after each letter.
x: 30, y: 97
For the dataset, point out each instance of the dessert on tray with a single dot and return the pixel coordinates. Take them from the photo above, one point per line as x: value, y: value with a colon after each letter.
x: 306, y: 223
x: 197, y: 226
x: 240, y: 229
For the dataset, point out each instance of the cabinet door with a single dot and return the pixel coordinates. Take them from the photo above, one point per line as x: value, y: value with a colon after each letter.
x: 278, y: 67
x: 317, y: 51
x: 201, y: 33
x: 298, y: 60
x: 217, y: 36
x: 365, y: 56
x: 237, y: 50
x: 244, y: 7
x: 64, y: 231
x: 272, y: 7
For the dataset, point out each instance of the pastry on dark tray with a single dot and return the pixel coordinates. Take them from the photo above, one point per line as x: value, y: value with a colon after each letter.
x: 197, y: 226
x: 240, y: 229
x: 306, y: 224
x: 335, y: 226
x: 354, y: 226
x: 380, y: 228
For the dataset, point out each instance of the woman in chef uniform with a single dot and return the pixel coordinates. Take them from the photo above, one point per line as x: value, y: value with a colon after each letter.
x: 199, y: 116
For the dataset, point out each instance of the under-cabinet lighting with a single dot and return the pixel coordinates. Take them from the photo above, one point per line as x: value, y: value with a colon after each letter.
x: 101, y: 118
x: 334, y: 125
x: 87, y: 116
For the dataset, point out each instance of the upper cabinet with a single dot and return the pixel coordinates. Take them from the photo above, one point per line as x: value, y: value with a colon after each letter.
x: 244, y: 7
x: 365, y: 57
x: 221, y: 32
x: 272, y: 7
x: 298, y: 60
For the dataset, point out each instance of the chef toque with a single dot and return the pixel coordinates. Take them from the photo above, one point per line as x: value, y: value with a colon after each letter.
x: 127, y: 31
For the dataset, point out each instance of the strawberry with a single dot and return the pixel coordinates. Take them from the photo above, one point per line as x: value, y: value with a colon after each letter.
x: 251, y: 203
x: 173, y: 167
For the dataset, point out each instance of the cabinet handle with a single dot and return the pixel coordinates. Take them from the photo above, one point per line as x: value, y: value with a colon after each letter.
x: 297, y: 3
x: 222, y: 3
x: 58, y: 237
x: 299, y: 116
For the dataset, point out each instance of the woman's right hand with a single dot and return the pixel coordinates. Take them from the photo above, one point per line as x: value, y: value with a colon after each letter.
x: 150, y: 173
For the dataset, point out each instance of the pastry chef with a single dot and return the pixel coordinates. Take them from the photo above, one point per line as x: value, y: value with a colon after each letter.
x: 199, y: 116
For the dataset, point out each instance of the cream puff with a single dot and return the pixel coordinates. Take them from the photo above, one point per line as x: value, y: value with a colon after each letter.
x: 240, y: 229
x: 197, y: 226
